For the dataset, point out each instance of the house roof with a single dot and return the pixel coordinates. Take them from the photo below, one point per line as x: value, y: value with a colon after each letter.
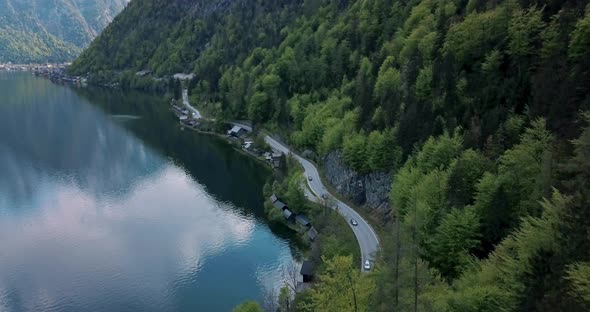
x: 312, y: 233
x: 303, y: 220
x: 287, y: 213
x: 273, y: 198
x: 236, y: 129
x: 182, y: 76
x: 143, y: 72
x: 306, y: 268
x: 279, y: 204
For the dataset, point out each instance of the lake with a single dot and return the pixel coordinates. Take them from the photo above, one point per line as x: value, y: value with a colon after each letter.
x: 106, y: 204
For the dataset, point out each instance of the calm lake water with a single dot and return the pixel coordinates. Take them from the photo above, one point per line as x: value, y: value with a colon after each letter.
x: 107, y: 205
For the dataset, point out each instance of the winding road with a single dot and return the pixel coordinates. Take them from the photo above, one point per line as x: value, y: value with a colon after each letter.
x: 196, y: 113
x: 364, y: 233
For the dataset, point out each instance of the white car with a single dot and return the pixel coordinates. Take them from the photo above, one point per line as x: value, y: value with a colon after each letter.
x: 367, y: 265
x: 353, y: 222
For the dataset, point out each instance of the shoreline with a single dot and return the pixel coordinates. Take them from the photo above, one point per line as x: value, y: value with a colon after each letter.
x: 366, y: 237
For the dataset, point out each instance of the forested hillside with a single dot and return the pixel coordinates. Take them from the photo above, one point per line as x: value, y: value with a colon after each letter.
x: 42, y: 30
x: 478, y: 108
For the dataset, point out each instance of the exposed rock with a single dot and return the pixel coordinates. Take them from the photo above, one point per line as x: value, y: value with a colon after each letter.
x: 370, y: 190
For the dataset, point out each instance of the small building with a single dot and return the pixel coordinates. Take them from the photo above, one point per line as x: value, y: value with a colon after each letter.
x: 276, y: 155
x: 183, y: 117
x: 247, y: 145
x: 273, y: 198
x: 267, y: 156
x: 237, y: 131
x: 312, y: 234
x: 182, y: 76
x: 289, y: 216
x: 307, y: 271
x: 143, y: 73
x: 280, y: 205
x: 303, y: 220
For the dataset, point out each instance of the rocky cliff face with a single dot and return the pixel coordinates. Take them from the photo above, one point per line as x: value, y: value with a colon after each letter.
x: 370, y: 190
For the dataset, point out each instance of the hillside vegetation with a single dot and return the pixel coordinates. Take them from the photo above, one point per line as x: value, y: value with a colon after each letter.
x: 477, y: 108
x: 42, y: 30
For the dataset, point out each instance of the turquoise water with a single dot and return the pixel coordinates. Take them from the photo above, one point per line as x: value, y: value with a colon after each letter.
x: 107, y: 205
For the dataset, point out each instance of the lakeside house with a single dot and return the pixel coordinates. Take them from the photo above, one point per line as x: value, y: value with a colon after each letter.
x: 312, y: 234
x: 237, y: 131
x: 292, y: 217
x: 190, y: 123
x: 142, y: 73
x: 289, y: 216
x: 303, y: 221
x: 307, y: 271
x: 280, y: 205
x: 183, y: 76
x: 276, y: 155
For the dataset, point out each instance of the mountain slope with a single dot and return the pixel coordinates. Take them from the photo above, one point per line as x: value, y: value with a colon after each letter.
x: 474, y: 109
x: 56, y: 30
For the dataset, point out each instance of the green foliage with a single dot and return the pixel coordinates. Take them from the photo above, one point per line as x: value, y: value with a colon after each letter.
x: 476, y: 34
x: 580, y: 42
x: 56, y: 31
x: 524, y: 31
x: 439, y: 152
x: 258, y: 111
x: 522, y: 179
x: 248, y: 306
x: 454, y: 238
x: 471, y: 105
x: 383, y: 151
x: 285, y: 303
x: 579, y: 276
x: 464, y: 174
x: 342, y: 288
x: 355, y: 151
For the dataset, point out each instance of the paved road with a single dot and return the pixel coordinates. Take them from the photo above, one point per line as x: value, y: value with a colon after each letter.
x: 365, y: 235
x: 196, y: 113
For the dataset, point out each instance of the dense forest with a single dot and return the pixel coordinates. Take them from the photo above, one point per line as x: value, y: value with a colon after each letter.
x: 478, y: 108
x: 55, y: 31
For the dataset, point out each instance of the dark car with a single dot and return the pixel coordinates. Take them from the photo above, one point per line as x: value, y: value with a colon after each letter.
x: 353, y: 222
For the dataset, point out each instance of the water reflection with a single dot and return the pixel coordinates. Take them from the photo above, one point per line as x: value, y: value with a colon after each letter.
x: 94, y: 219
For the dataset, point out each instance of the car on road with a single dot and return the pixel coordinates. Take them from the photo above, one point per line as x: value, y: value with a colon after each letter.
x: 325, y: 196
x: 353, y: 222
x: 309, y: 178
x: 367, y: 265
